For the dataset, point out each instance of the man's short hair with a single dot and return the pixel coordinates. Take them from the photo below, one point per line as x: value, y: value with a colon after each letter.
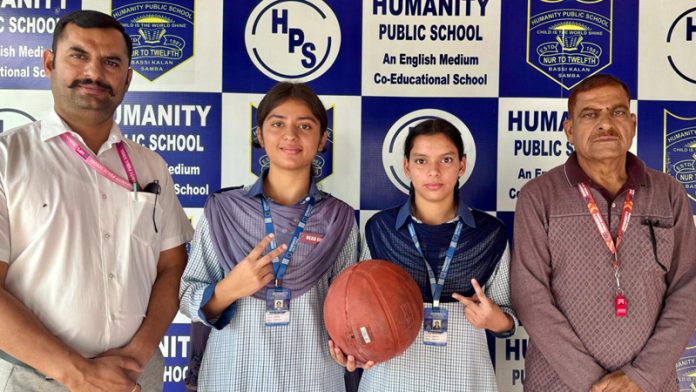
x: 88, y: 19
x: 592, y: 82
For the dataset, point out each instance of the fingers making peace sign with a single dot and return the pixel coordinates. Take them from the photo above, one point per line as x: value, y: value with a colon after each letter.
x: 247, y: 277
x: 482, y: 312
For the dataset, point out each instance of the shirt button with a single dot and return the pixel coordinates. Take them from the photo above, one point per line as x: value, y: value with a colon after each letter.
x: 111, y: 276
x: 104, y: 196
x: 613, y: 205
x: 107, y: 236
x: 112, y: 317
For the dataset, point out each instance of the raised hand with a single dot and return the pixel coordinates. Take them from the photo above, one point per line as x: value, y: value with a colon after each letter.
x: 482, y: 312
x: 246, y: 278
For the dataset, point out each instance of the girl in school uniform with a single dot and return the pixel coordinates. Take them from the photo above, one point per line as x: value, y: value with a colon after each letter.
x: 262, y: 259
x: 459, y: 257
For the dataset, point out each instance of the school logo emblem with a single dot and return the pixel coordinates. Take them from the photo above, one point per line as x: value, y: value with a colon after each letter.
x: 322, y: 165
x: 393, y: 146
x: 292, y: 39
x: 12, y: 118
x: 686, y: 367
x: 162, y: 33
x: 680, y: 151
x: 568, y: 40
x: 681, y: 39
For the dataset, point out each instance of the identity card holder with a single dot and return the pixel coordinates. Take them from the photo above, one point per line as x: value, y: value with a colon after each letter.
x: 435, y: 327
x: 277, y: 306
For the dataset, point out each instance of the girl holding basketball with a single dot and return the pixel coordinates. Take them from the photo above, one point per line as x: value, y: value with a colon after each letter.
x: 265, y: 306
x: 459, y: 258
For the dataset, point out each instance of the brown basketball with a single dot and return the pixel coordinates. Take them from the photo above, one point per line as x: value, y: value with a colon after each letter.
x: 373, y: 310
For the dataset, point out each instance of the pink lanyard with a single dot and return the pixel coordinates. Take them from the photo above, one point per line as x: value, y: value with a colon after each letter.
x: 620, y: 302
x: 92, y: 161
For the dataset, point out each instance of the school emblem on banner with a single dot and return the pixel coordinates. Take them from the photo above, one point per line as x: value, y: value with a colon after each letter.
x: 568, y: 40
x: 680, y: 41
x: 686, y: 367
x: 162, y: 33
x: 292, y: 40
x: 680, y: 150
x: 322, y: 164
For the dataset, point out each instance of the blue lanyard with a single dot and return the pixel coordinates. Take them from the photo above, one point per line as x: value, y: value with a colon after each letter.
x: 437, y: 284
x: 280, y: 267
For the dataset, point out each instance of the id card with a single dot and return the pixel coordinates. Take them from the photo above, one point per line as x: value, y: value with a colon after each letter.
x: 277, y: 306
x: 435, y: 327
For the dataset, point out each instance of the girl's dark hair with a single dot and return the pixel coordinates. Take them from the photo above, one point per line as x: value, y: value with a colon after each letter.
x: 283, y: 91
x: 435, y: 126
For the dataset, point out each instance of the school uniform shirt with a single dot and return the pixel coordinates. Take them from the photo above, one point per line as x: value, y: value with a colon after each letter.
x: 464, y: 364
x: 242, y: 354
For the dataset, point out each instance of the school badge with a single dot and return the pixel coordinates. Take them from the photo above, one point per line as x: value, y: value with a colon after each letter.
x: 322, y: 165
x: 292, y: 39
x: 162, y: 33
x: 686, y: 367
x: 568, y: 40
x: 680, y: 151
x: 680, y: 42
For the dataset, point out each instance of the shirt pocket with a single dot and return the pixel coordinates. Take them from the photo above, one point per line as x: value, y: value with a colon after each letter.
x: 659, y: 233
x: 145, y: 219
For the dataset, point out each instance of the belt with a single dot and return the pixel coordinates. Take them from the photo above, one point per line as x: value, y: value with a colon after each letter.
x: 8, y: 358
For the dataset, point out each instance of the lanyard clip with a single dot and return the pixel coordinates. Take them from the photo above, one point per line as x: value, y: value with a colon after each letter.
x: 278, y: 282
x: 436, y: 303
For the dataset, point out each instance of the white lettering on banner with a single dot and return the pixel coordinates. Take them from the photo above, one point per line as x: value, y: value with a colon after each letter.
x: 175, y: 346
x: 128, y: 10
x: 32, y: 24
x: 7, y: 72
x: 162, y: 115
x: 33, y: 4
x: 181, y: 169
x: 427, y: 7
x: 168, y: 142
x: 26, y: 51
x: 175, y: 373
x: 7, y: 51
x: 172, y: 142
x: 190, y: 190
x: 536, y: 120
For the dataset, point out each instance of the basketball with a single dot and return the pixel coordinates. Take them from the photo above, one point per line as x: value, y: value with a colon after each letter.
x: 373, y: 310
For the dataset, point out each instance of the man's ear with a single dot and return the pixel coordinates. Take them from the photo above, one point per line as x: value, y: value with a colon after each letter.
x: 568, y: 130
x: 49, y: 61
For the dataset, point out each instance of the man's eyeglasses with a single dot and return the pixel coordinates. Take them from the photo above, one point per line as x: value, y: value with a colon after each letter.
x: 153, y: 187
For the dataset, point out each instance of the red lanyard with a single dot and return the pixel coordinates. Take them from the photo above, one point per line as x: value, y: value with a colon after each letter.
x: 92, y: 161
x: 620, y: 301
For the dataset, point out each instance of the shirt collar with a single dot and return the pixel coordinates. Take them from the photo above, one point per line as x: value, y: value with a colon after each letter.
x: 55, y: 126
x: 635, y: 171
x: 256, y: 190
x: 463, y: 213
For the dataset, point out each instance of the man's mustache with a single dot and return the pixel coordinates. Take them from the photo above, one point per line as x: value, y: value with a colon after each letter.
x: 87, y: 82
